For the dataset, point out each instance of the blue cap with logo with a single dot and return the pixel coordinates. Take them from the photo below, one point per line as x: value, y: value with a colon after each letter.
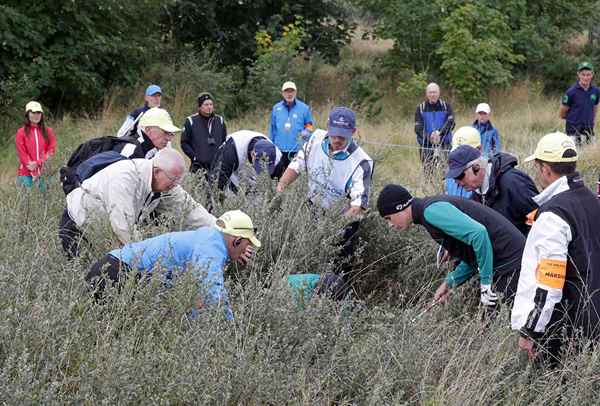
x: 265, y: 151
x: 459, y: 160
x: 341, y: 123
x: 153, y: 89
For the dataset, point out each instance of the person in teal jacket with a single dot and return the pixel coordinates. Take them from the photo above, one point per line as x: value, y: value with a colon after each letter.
x: 291, y: 120
x: 204, y: 251
x: 305, y: 286
x: 483, y: 240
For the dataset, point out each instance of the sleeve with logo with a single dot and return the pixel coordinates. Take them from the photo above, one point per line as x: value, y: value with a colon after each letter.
x: 360, y: 185
x: 457, y: 224
x: 567, y: 99
x: 543, y: 273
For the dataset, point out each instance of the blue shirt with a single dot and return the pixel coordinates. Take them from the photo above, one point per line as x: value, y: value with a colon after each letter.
x: 203, y: 251
x: 581, y: 104
x: 454, y: 189
x: 286, y: 124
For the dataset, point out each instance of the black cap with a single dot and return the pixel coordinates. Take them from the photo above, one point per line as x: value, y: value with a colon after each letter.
x: 393, y: 199
x: 459, y: 160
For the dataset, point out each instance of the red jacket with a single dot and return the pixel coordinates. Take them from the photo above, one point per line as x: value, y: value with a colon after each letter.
x: 34, y: 147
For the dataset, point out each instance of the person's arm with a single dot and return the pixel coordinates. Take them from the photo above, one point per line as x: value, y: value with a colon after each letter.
x: 543, y: 275
x: 457, y: 224
x: 179, y: 204
x: 22, y: 153
x: 496, y: 144
x: 360, y: 186
x: 293, y: 171
x: 565, y: 105
x: 273, y: 125
x: 521, y: 192
x: 126, y: 126
x: 186, y: 141
x: 224, y: 135
x: 446, y: 130
x: 211, y: 285
x: 308, y: 120
x: 419, y: 126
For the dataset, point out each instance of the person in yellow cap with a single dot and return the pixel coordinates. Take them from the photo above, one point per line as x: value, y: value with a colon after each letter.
x: 205, y: 251
x: 464, y: 136
x: 35, y: 143
x: 559, y: 285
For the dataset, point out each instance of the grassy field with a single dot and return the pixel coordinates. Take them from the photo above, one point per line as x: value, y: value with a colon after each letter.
x: 57, y: 346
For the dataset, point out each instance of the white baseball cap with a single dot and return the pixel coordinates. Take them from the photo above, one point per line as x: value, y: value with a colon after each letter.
x: 483, y: 108
x: 288, y: 85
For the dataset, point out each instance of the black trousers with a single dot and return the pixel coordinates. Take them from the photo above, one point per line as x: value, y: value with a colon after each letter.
x: 70, y: 235
x: 286, y: 158
x: 107, y: 268
x: 580, y: 133
x: 506, y: 283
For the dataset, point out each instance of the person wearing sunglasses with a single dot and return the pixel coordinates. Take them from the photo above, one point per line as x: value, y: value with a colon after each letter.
x: 485, y: 242
x: 205, y: 252
x: 495, y: 182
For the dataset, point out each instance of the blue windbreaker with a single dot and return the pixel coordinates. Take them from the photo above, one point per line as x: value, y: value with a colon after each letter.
x: 490, y: 138
x: 454, y: 189
x: 202, y: 250
x: 287, y: 123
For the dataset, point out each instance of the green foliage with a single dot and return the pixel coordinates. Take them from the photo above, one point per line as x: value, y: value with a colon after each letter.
x: 476, y: 50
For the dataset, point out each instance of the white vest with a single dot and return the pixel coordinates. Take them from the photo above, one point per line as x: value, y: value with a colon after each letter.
x: 241, y: 140
x: 330, y: 179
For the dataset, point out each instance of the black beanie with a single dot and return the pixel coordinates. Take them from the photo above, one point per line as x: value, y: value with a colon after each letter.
x: 392, y: 199
x: 202, y: 97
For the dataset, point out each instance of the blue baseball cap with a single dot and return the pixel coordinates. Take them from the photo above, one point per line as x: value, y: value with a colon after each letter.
x: 459, y: 160
x: 153, y: 89
x: 341, y: 123
x: 264, y: 150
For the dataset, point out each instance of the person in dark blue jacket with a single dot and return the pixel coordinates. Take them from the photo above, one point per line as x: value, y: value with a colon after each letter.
x: 490, y: 138
x: 434, y: 121
x: 496, y: 183
x: 291, y: 123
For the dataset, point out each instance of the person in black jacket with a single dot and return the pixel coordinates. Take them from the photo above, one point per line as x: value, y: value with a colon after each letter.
x: 203, y: 133
x: 496, y: 183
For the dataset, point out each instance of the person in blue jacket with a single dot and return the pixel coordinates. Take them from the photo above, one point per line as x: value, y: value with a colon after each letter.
x: 485, y: 242
x: 204, y: 251
x: 463, y: 136
x: 434, y: 121
x: 490, y: 138
x: 291, y: 121
x: 152, y: 98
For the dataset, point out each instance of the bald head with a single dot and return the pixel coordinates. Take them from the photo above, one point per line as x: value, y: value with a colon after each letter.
x: 168, y: 167
x: 432, y: 92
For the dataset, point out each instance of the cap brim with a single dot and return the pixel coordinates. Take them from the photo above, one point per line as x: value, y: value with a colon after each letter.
x: 339, y: 132
x: 455, y: 172
x: 170, y: 128
x: 529, y: 158
x: 255, y: 241
x: 37, y: 111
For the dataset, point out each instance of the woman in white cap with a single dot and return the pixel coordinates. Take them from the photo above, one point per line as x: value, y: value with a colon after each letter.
x: 35, y: 143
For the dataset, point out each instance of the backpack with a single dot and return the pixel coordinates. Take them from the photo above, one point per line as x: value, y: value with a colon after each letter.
x: 69, y: 174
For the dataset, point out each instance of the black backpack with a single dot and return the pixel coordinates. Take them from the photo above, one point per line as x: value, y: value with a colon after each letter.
x: 69, y: 176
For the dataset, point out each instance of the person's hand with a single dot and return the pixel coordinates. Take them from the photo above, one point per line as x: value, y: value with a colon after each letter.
x: 488, y: 297
x: 31, y: 165
x: 526, y: 344
x: 442, y: 293
x: 354, y: 211
x: 305, y: 134
x: 435, y: 137
x: 280, y: 187
x: 246, y: 256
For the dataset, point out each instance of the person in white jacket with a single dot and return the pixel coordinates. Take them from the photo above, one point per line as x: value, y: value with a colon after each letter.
x: 558, y: 295
x: 127, y: 192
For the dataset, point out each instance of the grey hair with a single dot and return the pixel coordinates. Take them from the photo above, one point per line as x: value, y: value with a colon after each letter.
x: 169, y: 160
x: 432, y: 86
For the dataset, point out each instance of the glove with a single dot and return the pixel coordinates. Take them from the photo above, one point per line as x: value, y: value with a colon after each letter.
x: 305, y: 134
x: 488, y: 297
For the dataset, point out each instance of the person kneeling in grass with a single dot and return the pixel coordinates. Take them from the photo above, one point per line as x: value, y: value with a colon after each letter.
x: 206, y: 251
x: 305, y: 286
x: 478, y: 236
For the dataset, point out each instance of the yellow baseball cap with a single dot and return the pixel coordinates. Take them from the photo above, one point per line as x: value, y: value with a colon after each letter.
x: 157, y: 117
x: 288, y: 85
x: 34, y: 107
x: 238, y: 224
x: 552, y: 147
x: 466, y: 136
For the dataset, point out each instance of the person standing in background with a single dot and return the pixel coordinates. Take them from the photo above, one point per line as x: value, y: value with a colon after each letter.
x: 203, y: 133
x: 490, y: 138
x: 35, y: 143
x: 152, y: 98
x: 290, y: 117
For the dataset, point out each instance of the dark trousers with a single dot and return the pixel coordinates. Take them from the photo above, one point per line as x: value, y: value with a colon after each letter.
x: 107, y: 268
x: 70, y: 235
x: 286, y: 158
x: 580, y: 133
x: 345, y: 253
x: 506, y: 283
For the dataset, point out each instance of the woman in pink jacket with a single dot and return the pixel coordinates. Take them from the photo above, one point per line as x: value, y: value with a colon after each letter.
x: 35, y: 144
